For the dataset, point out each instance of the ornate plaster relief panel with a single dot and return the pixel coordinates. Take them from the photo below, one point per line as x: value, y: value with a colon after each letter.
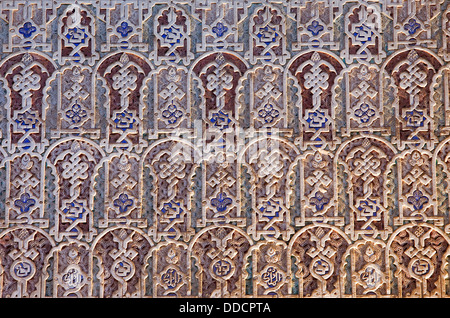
x: 225, y: 148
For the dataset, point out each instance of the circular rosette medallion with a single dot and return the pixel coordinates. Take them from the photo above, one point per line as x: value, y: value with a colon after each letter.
x: 421, y: 268
x: 222, y: 269
x: 73, y: 277
x: 23, y: 269
x: 171, y: 278
x: 371, y: 277
x: 272, y: 277
x: 321, y: 268
x: 123, y: 269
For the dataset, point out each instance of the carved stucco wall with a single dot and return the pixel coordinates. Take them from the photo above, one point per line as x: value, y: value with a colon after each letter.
x: 224, y: 148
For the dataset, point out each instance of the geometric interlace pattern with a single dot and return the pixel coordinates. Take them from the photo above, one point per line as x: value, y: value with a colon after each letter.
x: 225, y: 148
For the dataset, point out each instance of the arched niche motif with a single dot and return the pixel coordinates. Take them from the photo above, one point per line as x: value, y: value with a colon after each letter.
x: 367, y: 161
x: 171, y: 275
x: 416, y: 191
x: 121, y: 255
x: 364, y: 112
x: 267, y: 40
x: 316, y: 182
x: 74, y: 164
x: 124, y: 75
x: 22, y: 262
x: 69, y: 267
x: 317, y: 253
x: 419, y: 254
x: 75, y: 105
x: 315, y: 72
x: 24, y: 203
x: 219, y: 77
x: 363, y: 34
x: 268, y: 108
x: 368, y: 269
x: 270, y: 161
x: 122, y: 190
x: 219, y: 253
x: 25, y: 76
x: 171, y: 107
x: 267, y: 263
x: 172, y: 164
x: 412, y: 73
x: 172, y: 29
x: 76, y: 36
